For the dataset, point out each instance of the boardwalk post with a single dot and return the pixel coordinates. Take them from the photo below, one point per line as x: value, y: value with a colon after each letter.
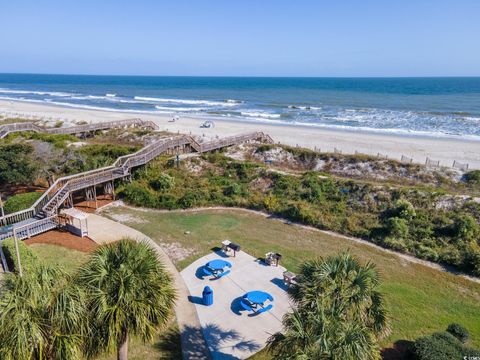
x: 15, y: 239
x: 2, y: 211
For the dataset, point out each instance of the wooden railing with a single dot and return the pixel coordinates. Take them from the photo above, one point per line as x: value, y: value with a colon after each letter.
x: 79, y: 129
x: 53, y: 198
x: 36, y: 227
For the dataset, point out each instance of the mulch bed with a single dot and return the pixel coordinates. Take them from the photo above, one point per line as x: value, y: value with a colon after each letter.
x: 65, y: 239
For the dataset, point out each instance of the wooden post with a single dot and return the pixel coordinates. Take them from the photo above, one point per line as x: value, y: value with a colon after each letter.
x: 15, y: 239
x: 2, y: 211
x: 95, y: 196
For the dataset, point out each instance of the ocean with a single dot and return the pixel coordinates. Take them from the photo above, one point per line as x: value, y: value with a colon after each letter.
x: 414, y: 106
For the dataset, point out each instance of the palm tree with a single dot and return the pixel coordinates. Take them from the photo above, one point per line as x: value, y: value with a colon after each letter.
x: 339, y: 312
x: 129, y: 294
x: 42, y: 316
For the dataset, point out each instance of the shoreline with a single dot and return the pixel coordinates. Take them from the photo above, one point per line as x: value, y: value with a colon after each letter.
x: 348, y: 141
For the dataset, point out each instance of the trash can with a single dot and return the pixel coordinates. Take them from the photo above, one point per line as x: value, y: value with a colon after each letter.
x: 207, y: 296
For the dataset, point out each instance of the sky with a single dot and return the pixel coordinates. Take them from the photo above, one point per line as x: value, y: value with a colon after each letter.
x: 241, y: 37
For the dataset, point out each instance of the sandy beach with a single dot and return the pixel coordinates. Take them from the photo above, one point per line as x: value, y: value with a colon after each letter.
x: 446, y: 150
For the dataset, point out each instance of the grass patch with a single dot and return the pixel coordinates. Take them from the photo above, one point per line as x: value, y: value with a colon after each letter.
x: 61, y: 256
x: 420, y: 300
x: 166, y: 346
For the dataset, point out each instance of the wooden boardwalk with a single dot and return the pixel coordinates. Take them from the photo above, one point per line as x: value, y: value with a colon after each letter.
x: 32, y: 221
x: 75, y: 130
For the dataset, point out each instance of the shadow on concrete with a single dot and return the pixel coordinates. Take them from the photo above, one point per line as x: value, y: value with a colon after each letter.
x: 195, y: 299
x: 279, y: 282
x: 235, y: 306
x: 199, y: 273
x: 261, y: 261
x: 194, y: 345
x: 222, y: 342
x: 217, y: 250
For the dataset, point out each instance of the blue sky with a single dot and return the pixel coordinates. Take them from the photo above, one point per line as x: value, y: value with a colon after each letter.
x: 243, y: 37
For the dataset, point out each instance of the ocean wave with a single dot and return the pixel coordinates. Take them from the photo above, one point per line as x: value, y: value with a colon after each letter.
x: 304, y: 107
x: 180, y: 109
x: 51, y: 93
x: 101, y: 108
x: 21, y: 99
x: 185, y: 101
x: 259, y: 114
x: 110, y: 95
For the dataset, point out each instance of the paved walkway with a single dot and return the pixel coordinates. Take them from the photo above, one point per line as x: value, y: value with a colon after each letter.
x: 103, y: 230
x: 230, y: 331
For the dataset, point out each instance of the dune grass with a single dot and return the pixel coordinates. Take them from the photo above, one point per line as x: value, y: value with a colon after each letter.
x: 420, y: 299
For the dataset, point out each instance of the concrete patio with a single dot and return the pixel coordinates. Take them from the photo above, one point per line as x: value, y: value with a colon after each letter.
x: 231, y: 332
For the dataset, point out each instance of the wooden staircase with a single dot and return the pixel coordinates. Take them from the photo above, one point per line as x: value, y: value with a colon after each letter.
x: 48, y: 205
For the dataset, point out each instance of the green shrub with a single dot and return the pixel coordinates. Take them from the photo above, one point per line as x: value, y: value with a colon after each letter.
x: 232, y: 189
x: 16, y: 164
x: 397, y: 227
x: 138, y: 195
x: 162, y: 182
x: 27, y: 257
x: 395, y: 244
x: 188, y: 200
x: 58, y: 140
x: 472, y: 177
x: 459, y: 332
x: 441, y: 346
x: 21, y: 201
x: 465, y: 227
x: 404, y: 209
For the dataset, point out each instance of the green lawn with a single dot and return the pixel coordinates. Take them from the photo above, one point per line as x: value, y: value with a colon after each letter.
x: 69, y: 259
x: 420, y: 299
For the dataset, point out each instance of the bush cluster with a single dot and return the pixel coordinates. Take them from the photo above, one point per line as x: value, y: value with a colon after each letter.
x: 28, y: 258
x: 445, y: 345
x: 404, y: 219
x: 21, y: 201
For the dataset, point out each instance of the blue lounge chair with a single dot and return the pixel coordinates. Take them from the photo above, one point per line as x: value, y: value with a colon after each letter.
x: 207, y: 272
x: 245, y: 306
x: 266, y: 308
x: 222, y: 274
x: 270, y: 297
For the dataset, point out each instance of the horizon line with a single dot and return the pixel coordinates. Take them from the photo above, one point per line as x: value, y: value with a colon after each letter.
x: 253, y: 76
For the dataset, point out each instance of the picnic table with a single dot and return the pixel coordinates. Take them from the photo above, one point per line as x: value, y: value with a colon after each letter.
x: 258, y: 297
x: 216, y: 268
x: 218, y: 264
x: 255, y: 300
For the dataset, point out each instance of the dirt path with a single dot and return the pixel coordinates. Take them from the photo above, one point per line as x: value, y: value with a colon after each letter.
x: 406, y: 257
